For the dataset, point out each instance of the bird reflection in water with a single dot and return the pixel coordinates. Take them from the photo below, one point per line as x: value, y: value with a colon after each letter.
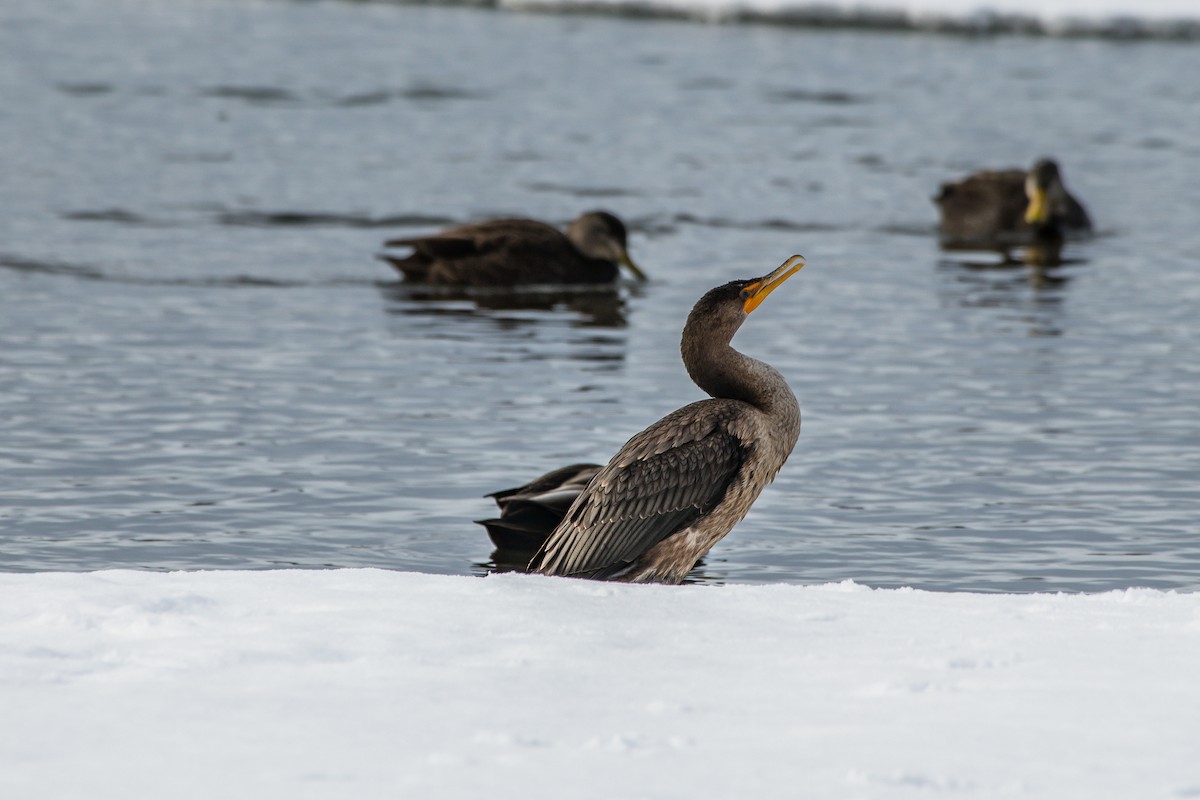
x: 1036, y: 292
x: 595, y: 306
x: 1039, y: 260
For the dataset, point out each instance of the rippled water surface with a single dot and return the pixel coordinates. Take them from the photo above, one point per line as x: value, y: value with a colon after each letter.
x: 202, y: 365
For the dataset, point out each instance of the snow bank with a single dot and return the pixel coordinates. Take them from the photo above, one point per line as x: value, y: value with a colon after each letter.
x: 1120, y: 18
x: 365, y: 683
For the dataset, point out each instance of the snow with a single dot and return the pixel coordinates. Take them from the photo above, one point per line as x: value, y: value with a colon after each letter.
x: 1177, y: 18
x: 368, y: 683
x: 1084, y: 9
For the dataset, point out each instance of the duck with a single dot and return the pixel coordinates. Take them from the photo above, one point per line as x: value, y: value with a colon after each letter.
x: 1010, y: 207
x: 512, y: 252
x: 529, y: 513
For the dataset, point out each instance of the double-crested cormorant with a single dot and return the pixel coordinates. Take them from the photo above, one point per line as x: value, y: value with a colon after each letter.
x: 677, y: 487
x: 513, y: 252
x: 1010, y: 207
x: 530, y: 512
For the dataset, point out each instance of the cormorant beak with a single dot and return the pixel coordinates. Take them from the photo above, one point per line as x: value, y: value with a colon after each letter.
x: 624, y: 259
x: 756, y: 292
x: 1039, y: 209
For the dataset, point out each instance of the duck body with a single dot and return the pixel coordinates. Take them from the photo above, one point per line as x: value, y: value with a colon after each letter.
x: 530, y: 512
x: 1010, y: 207
x: 517, y: 252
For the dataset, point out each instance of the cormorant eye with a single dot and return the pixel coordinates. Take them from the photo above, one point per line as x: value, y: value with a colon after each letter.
x: 745, y: 293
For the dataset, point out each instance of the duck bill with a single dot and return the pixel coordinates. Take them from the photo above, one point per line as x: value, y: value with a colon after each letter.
x: 627, y: 262
x: 756, y: 292
x: 1039, y: 208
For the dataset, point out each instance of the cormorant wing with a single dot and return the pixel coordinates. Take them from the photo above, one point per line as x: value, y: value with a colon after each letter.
x: 659, y: 483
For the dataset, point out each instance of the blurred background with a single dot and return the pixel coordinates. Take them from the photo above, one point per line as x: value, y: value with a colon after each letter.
x: 203, y: 364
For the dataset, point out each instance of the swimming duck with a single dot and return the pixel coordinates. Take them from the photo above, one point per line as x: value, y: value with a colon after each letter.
x: 1010, y: 207
x: 514, y: 252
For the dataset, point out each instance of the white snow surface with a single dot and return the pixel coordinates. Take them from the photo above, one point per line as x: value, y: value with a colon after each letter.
x: 374, y: 684
x: 1080, y: 9
x: 1127, y: 17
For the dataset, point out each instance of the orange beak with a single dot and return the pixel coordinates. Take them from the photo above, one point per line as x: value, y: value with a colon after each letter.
x: 756, y: 292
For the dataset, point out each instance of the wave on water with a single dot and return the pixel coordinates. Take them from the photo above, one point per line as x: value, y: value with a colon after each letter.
x: 265, y: 95
x: 89, y: 272
x: 49, y: 267
x: 1115, y: 19
x: 267, y: 219
x: 274, y: 95
x: 259, y: 219
x: 652, y: 225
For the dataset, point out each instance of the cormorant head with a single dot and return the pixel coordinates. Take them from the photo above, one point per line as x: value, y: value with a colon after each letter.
x: 726, y: 307
x: 757, y: 289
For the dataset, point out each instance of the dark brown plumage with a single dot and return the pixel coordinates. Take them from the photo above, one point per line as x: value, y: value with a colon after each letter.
x: 1010, y: 207
x: 677, y: 487
x: 515, y: 252
x: 530, y: 512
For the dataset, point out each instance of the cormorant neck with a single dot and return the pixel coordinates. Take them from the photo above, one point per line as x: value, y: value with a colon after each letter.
x: 723, y: 372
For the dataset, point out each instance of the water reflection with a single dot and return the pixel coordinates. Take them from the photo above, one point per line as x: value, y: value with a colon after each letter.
x: 504, y: 560
x: 1039, y: 255
x: 1035, y: 290
x: 1038, y: 263
x: 594, y: 307
x: 1002, y: 279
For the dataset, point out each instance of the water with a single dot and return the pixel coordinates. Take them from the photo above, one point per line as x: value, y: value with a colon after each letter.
x: 202, y: 365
